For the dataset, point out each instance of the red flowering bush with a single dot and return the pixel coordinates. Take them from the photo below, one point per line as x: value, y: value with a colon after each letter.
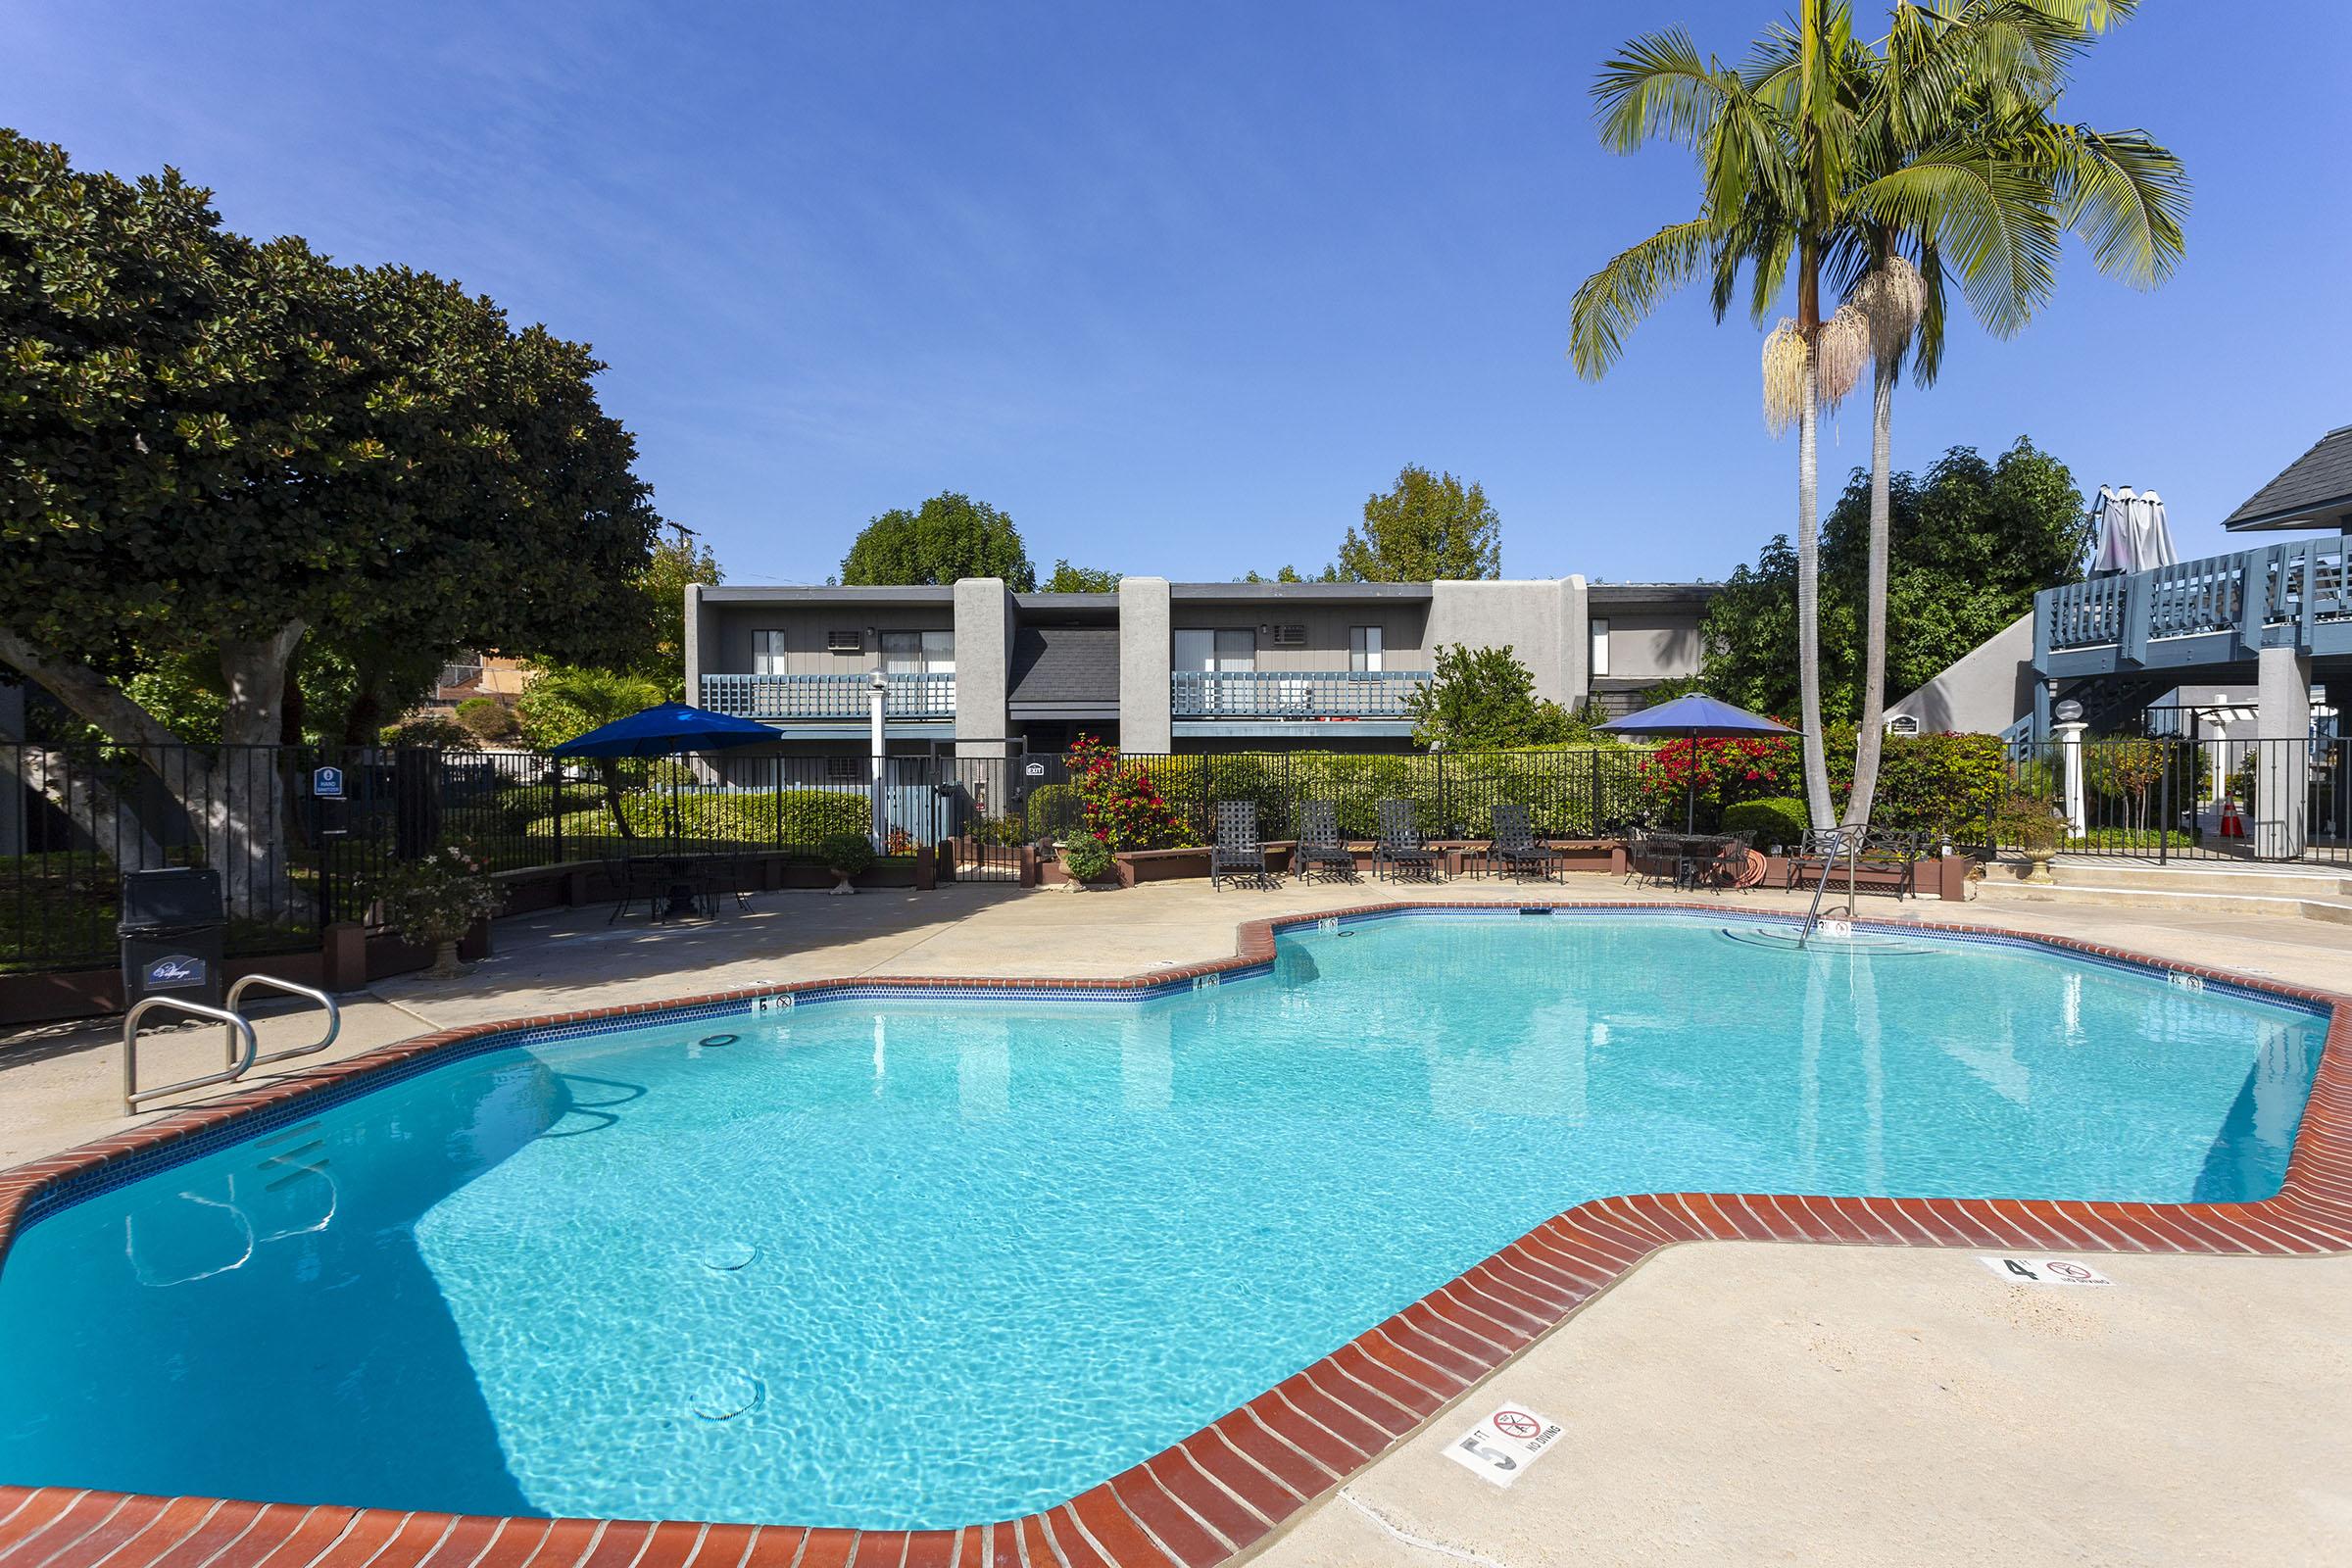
x: 1719, y: 772
x: 1124, y: 808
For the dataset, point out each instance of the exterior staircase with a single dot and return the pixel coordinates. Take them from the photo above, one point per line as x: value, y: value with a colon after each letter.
x: 2313, y: 892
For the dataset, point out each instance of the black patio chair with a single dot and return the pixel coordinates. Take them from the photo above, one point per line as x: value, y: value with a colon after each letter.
x: 1513, y: 845
x: 632, y: 881
x: 1400, y: 845
x: 1238, y: 851
x: 1319, y: 842
x: 1648, y: 858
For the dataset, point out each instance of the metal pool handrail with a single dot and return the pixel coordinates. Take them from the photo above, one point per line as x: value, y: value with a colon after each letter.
x: 334, y: 1014
x: 239, y: 1062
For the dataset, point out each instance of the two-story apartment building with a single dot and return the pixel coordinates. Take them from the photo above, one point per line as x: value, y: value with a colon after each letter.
x: 1160, y: 665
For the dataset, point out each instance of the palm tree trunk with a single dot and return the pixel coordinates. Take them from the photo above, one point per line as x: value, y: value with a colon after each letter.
x: 1870, y: 738
x: 1818, y: 805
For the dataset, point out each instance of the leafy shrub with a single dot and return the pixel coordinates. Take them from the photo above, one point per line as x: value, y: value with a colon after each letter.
x: 488, y: 721
x: 1053, y: 809
x: 1087, y: 859
x: 846, y: 853
x: 433, y: 730
x: 1481, y: 697
x: 435, y: 899
x: 1775, y: 820
x: 1124, y: 807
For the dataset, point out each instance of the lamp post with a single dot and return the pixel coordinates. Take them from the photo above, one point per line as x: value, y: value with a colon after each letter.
x: 877, y: 688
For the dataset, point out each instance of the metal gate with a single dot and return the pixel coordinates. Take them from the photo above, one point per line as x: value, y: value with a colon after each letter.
x: 2168, y: 797
x: 987, y: 808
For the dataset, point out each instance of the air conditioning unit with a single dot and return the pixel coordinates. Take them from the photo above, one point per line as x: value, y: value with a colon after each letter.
x: 1284, y: 636
x: 851, y: 641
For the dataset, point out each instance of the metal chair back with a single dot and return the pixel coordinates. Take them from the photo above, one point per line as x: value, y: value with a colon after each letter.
x: 1511, y: 830
x: 1236, y: 828
x: 1398, y: 828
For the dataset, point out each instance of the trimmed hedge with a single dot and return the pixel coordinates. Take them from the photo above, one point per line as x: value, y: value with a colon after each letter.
x: 1774, y: 820
x: 793, y: 819
x: 1052, y: 808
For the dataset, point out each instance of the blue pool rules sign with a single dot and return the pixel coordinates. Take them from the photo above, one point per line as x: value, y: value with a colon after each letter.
x: 327, y: 783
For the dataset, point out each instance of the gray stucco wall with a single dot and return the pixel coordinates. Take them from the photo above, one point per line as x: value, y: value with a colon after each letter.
x: 1327, y: 626
x: 1144, y: 650
x: 984, y: 625
x: 1983, y: 692
x: 1532, y: 618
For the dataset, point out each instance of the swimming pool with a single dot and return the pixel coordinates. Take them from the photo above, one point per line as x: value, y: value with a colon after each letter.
x: 897, y: 1261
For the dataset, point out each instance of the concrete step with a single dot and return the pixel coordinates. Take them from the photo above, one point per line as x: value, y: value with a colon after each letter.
x: 2205, y: 876
x: 2000, y: 886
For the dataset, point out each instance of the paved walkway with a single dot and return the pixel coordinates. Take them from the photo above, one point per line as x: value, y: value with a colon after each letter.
x: 1725, y: 1403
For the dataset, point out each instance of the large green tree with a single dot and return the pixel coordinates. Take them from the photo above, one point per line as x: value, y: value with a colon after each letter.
x: 677, y: 560
x: 1423, y: 527
x: 1069, y: 579
x: 213, y: 450
x: 947, y: 537
x: 1972, y: 543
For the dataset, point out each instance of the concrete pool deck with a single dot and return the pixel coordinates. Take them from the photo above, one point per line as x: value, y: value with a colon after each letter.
x: 1728, y: 1403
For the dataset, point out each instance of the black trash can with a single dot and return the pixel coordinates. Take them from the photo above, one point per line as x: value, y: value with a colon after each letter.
x: 171, y: 930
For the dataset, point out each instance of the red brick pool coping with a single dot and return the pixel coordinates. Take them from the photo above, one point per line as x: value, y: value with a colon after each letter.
x: 1217, y: 1493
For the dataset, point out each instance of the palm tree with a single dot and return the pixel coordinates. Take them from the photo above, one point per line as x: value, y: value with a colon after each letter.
x: 1875, y: 169
x: 1981, y: 77
x: 1773, y: 177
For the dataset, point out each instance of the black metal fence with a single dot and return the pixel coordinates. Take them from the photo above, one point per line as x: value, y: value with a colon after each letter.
x: 295, y: 856
x: 2167, y: 797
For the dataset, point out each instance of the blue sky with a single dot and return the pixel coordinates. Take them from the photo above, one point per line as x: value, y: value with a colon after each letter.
x: 1178, y: 286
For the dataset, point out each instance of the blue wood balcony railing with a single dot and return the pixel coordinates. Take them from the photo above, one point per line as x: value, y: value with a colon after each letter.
x: 1294, y: 694
x: 803, y: 697
x: 2211, y: 610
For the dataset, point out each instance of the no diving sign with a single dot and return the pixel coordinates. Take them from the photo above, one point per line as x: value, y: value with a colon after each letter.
x: 1503, y: 1445
x: 2045, y: 1271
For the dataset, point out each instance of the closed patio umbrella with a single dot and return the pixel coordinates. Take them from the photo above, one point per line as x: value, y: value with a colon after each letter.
x: 1697, y: 717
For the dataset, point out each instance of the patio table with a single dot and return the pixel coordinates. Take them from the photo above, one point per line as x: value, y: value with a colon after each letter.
x: 1694, y: 854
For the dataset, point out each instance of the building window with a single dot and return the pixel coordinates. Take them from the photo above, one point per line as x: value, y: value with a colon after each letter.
x: 767, y: 653
x: 1364, y: 650
x: 918, y: 652
x: 840, y: 769
x: 1600, y: 646
x: 1224, y: 649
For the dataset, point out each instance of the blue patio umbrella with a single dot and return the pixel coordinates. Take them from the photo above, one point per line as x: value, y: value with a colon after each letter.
x: 1696, y: 718
x: 666, y: 731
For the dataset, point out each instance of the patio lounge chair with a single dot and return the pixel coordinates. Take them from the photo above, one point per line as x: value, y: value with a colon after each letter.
x: 1400, y: 844
x: 1319, y: 842
x: 1514, y: 845
x: 1238, y: 851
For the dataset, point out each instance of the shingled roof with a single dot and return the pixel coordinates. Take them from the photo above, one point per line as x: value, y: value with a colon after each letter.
x: 2315, y: 491
x: 1065, y: 668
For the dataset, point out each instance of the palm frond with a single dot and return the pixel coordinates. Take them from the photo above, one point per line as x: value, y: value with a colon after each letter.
x: 2125, y: 195
x: 1988, y: 215
x: 1658, y: 85
x: 1612, y: 301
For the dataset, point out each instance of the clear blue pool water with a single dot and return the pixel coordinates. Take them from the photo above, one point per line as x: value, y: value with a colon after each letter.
x: 927, y: 1264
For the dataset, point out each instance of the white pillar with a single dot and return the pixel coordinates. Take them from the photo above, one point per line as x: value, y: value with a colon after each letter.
x: 2282, y: 752
x: 2069, y: 748
x: 876, y: 689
